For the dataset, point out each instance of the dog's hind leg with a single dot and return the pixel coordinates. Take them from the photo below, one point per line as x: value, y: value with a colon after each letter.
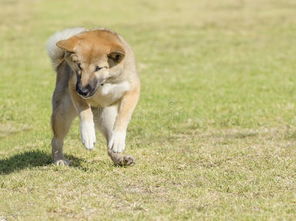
x: 61, y: 119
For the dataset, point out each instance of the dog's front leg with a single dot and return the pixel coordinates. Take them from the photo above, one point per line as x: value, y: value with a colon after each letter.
x: 126, y: 108
x: 87, y: 126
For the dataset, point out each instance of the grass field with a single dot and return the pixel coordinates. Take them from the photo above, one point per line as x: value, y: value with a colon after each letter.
x: 214, y: 133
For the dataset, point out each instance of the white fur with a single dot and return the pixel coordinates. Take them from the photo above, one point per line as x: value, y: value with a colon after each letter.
x: 110, y: 93
x: 88, y: 134
x: 117, y: 141
x: 54, y: 52
x: 115, y: 90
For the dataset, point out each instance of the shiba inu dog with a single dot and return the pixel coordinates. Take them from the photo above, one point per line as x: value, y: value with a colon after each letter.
x: 97, y: 81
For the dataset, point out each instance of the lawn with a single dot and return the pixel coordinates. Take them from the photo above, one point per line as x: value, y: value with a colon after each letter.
x: 214, y: 133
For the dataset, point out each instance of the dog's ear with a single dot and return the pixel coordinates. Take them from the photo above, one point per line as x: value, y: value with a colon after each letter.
x: 115, y: 56
x: 68, y: 44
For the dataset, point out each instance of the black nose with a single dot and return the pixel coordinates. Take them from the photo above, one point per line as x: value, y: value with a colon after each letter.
x: 84, y: 91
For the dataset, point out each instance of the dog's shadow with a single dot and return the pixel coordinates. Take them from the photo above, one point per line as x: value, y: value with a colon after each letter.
x: 29, y: 159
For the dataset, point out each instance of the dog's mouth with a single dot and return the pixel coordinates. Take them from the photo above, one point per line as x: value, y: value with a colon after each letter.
x: 85, y: 92
x: 88, y: 91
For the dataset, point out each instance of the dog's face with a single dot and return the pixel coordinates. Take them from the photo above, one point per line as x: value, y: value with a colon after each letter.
x: 92, y: 55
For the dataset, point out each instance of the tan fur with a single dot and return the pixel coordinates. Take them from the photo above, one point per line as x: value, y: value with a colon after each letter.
x: 101, y: 63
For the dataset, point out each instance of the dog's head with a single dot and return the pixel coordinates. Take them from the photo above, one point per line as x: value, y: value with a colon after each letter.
x: 92, y: 55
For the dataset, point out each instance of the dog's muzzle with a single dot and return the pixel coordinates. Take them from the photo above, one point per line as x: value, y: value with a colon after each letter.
x: 89, y: 89
x: 86, y: 91
x: 83, y: 91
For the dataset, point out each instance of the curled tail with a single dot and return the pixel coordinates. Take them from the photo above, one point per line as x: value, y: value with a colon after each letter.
x: 54, y: 52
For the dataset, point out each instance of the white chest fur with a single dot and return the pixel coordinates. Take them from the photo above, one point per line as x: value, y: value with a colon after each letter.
x: 114, y: 89
x: 110, y: 93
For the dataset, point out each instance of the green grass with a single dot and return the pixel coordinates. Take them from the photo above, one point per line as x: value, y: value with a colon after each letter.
x: 214, y: 133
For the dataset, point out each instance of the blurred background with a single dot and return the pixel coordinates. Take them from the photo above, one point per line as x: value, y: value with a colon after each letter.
x: 202, y: 63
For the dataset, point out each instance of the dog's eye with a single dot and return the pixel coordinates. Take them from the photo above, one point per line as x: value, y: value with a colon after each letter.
x: 79, y: 66
x: 98, y: 68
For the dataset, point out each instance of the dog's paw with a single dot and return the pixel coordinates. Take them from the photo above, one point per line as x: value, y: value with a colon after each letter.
x: 62, y: 162
x: 117, y: 142
x: 88, y: 134
x: 128, y: 160
x: 121, y: 160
